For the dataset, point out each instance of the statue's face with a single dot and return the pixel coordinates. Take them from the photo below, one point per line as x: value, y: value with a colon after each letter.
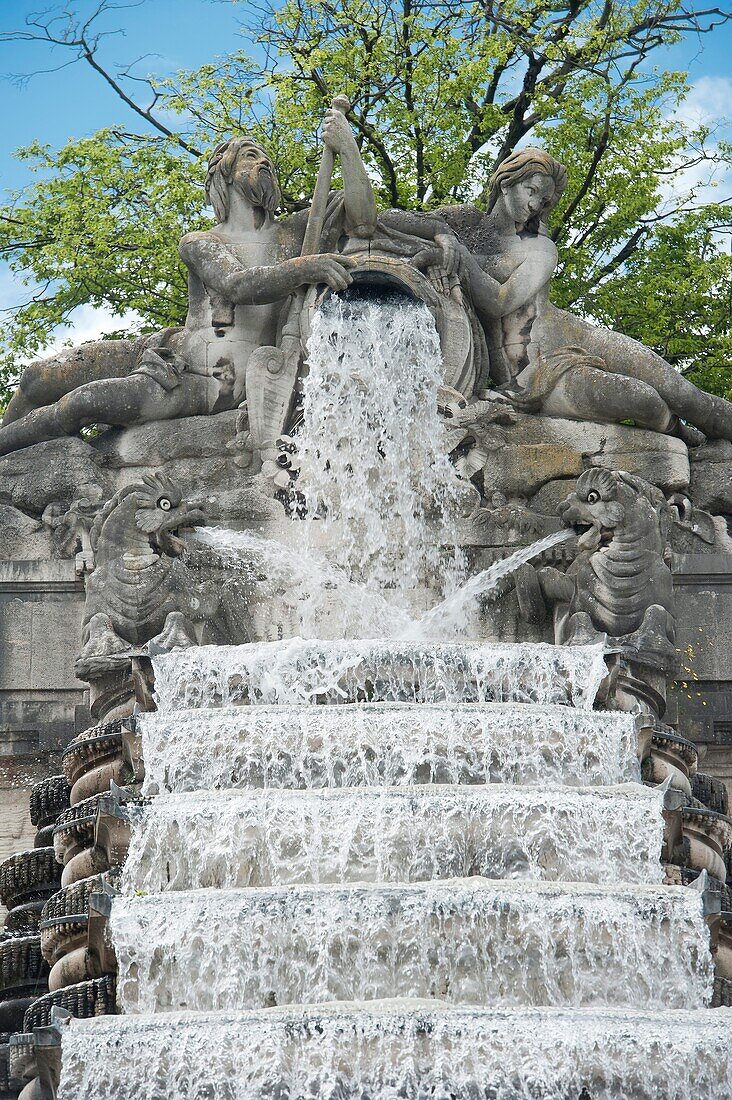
x: 250, y: 162
x: 254, y: 177
x: 528, y: 197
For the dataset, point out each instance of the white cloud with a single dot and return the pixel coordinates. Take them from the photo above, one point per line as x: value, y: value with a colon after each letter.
x: 707, y: 104
x: 89, y: 323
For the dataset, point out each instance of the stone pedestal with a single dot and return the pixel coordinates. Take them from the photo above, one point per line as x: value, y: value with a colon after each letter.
x: 700, y: 699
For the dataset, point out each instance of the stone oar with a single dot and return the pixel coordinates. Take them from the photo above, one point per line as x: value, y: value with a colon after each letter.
x: 272, y: 372
x: 316, y: 217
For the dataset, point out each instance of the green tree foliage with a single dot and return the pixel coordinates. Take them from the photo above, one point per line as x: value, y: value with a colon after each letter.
x: 441, y: 92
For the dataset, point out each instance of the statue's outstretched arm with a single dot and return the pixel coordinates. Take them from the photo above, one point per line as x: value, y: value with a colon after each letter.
x: 222, y: 274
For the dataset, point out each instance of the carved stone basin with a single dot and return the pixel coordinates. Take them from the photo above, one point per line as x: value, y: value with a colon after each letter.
x: 96, y: 997
x: 73, y: 839
x: 65, y: 918
x: 90, y: 838
x: 23, y: 974
x: 47, y: 800
x: 671, y: 757
x: 93, y: 759
x: 28, y: 876
x: 708, y: 834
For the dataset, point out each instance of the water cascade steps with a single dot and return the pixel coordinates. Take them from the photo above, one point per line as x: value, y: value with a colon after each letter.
x: 399, y: 870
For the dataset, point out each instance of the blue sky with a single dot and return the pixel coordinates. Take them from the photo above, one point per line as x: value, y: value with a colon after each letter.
x: 74, y: 102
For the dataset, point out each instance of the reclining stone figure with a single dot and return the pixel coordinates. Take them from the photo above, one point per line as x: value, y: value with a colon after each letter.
x: 241, y: 275
x: 244, y: 272
x: 545, y: 359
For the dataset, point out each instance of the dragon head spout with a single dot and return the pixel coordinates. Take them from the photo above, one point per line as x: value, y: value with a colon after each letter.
x: 593, y: 509
x: 161, y: 512
x: 614, y: 504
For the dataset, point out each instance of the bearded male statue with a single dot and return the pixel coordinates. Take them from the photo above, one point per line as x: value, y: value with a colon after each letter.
x: 241, y: 274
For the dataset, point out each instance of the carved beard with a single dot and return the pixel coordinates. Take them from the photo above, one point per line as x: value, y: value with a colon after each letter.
x: 261, y: 190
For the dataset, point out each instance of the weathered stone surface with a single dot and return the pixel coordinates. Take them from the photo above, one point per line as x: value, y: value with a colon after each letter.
x: 711, y: 477
x: 193, y: 451
x: 41, y: 604
x: 59, y: 470
x: 21, y: 536
x: 547, y: 500
x: 246, y: 504
x: 540, y: 449
x: 525, y: 467
x: 167, y: 440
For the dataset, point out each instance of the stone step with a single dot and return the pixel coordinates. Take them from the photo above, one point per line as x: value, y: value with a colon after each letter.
x: 375, y: 744
x: 231, y: 839
x: 409, y: 1049
x: 473, y: 941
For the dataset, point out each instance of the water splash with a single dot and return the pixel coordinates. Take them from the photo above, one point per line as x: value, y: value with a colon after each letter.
x: 227, y: 839
x: 385, y: 744
x: 299, y: 593
x: 372, y: 448
x: 468, y: 941
x: 296, y: 592
x: 300, y: 671
x: 368, y: 879
x: 448, y: 619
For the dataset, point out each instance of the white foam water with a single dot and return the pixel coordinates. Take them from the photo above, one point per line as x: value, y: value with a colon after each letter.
x: 228, y: 839
x: 385, y: 744
x: 300, y: 671
x: 372, y: 448
x: 297, y: 592
x: 306, y: 863
x: 468, y: 941
x: 447, y: 620
x: 401, y: 1049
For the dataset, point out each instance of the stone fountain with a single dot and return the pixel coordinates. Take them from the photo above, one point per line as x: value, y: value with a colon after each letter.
x: 376, y: 786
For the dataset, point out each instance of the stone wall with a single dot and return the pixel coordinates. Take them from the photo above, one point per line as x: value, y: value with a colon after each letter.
x: 700, y: 701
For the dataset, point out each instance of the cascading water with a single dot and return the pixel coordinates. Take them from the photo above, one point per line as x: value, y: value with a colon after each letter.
x: 228, y: 839
x: 374, y: 465
x: 466, y: 941
x: 381, y: 497
x: 394, y: 868
x: 385, y: 744
x: 314, y: 598
x: 299, y: 672
x: 415, y: 1049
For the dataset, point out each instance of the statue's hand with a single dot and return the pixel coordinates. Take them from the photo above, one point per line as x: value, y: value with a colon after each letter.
x: 330, y: 268
x: 336, y: 132
x: 441, y: 279
x: 450, y: 252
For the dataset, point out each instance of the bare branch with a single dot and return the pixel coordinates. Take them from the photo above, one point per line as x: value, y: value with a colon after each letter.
x: 83, y: 40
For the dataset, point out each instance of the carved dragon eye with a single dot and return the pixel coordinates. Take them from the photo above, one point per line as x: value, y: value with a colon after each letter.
x: 593, y: 496
x: 164, y: 504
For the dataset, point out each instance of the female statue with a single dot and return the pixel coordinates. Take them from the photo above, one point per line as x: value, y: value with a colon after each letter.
x: 542, y: 358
